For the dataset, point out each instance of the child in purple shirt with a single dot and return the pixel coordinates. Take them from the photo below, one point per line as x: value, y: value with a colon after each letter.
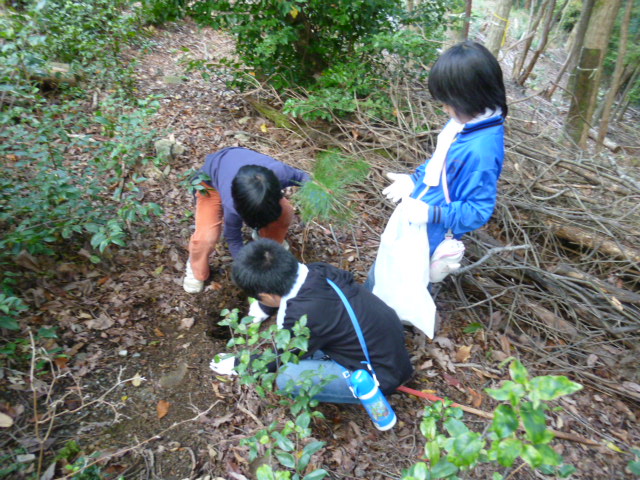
x: 241, y: 186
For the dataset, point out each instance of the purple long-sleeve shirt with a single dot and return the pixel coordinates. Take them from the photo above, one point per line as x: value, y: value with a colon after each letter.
x: 223, y: 166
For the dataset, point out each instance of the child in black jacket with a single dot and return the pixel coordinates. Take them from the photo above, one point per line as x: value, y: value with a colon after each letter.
x: 268, y: 272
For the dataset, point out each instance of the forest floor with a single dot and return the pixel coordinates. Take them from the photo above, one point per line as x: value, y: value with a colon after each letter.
x: 128, y: 317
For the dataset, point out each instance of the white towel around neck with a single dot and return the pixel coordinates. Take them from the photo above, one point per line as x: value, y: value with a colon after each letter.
x: 300, y: 278
x: 433, y: 170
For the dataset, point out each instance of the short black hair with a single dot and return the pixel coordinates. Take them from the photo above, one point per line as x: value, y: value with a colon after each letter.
x: 264, y: 266
x: 468, y: 78
x: 256, y: 193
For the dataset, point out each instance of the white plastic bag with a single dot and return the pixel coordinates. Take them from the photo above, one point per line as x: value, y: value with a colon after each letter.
x: 402, y: 271
x: 446, y: 259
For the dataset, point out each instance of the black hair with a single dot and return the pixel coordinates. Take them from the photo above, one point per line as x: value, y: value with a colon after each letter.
x: 256, y: 194
x: 468, y: 78
x: 264, y: 266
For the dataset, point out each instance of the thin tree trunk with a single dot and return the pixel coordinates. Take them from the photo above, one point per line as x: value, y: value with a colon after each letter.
x: 617, y: 75
x: 624, y: 98
x: 560, y: 18
x: 531, y: 30
x: 583, y: 23
x: 455, y: 28
x: 586, y: 80
x: 542, y: 45
x: 467, y: 19
x: 499, y: 19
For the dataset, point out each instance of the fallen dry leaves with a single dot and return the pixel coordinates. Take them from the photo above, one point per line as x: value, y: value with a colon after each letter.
x: 463, y: 353
x: 163, y: 408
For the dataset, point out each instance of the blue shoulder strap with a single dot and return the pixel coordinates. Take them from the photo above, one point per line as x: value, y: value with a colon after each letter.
x: 354, y: 320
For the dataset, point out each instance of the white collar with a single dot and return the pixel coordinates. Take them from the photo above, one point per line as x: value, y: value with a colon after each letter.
x: 446, y: 137
x: 300, y: 279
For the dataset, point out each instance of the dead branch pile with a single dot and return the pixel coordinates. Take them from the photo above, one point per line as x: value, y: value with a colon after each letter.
x: 557, y: 270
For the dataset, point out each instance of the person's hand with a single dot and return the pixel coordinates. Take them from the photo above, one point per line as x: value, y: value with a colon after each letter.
x: 417, y: 211
x: 224, y: 364
x: 439, y: 270
x: 401, y: 187
x: 255, y: 311
x: 445, y: 259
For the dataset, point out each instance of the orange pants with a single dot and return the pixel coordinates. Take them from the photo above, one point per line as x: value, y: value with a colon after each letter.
x: 209, y: 218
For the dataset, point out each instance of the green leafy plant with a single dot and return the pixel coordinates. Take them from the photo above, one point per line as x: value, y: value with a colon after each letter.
x: 10, y: 309
x: 634, y: 465
x: 518, y: 430
x: 328, y: 61
x: 282, y: 443
x: 327, y: 196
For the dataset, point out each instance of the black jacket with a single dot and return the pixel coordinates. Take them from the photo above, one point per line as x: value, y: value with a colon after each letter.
x: 332, y: 330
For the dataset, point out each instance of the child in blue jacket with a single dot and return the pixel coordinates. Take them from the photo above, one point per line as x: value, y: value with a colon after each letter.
x: 456, y: 189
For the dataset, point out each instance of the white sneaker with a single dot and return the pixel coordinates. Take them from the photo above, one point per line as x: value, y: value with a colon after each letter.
x: 190, y: 283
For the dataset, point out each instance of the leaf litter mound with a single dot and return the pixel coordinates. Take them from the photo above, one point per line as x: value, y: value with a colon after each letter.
x: 553, y: 279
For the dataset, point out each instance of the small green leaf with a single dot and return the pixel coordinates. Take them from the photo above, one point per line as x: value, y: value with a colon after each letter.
x: 509, y: 391
x: 505, y: 421
x: 455, y: 427
x: 47, y: 333
x: 551, y: 387
x: 316, y: 475
x: 535, y: 423
x: 313, y: 447
x: 473, y: 328
x: 466, y: 449
x: 303, y: 420
x: 443, y: 469
x: 432, y: 452
x: 283, y: 442
x: 286, y: 459
x: 9, y: 323
x: 634, y: 466
x: 428, y: 428
x: 531, y: 455
x: 508, y: 450
x: 264, y: 472
x: 566, y: 469
x: 518, y: 372
x: 549, y: 455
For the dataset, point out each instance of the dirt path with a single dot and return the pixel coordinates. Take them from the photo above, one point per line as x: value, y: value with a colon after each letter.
x: 153, y: 329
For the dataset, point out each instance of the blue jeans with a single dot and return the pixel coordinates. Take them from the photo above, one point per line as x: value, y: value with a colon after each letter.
x: 370, y: 282
x: 337, y: 391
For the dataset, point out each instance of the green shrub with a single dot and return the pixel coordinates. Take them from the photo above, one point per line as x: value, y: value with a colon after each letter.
x: 524, y: 405
x: 341, y: 59
x: 47, y: 197
x: 281, y: 442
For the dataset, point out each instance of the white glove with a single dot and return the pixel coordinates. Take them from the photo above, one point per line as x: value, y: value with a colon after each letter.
x: 255, y: 311
x: 225, y: 365
x: 416, y: 211
x: 401, y: 187
x: 445, y: 259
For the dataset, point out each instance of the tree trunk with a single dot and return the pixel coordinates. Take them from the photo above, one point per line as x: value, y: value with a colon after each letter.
x: 499, y: 20
x: 624, y: 98
x: 585, y: 15
x: 455, y: 28
x: 617, y: 76
x: 586, y: 80
x: 531, y: 32
x: 467, y: 18
x: 542, y: 44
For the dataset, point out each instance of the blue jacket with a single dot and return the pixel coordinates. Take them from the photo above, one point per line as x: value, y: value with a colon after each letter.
x: 222, y: 167
x: 473, y: 166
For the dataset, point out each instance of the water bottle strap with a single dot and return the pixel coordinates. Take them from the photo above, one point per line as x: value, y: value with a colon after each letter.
x: 356, y: 326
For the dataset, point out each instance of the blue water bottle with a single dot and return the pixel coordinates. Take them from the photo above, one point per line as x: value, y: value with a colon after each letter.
x: 373, y: 400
